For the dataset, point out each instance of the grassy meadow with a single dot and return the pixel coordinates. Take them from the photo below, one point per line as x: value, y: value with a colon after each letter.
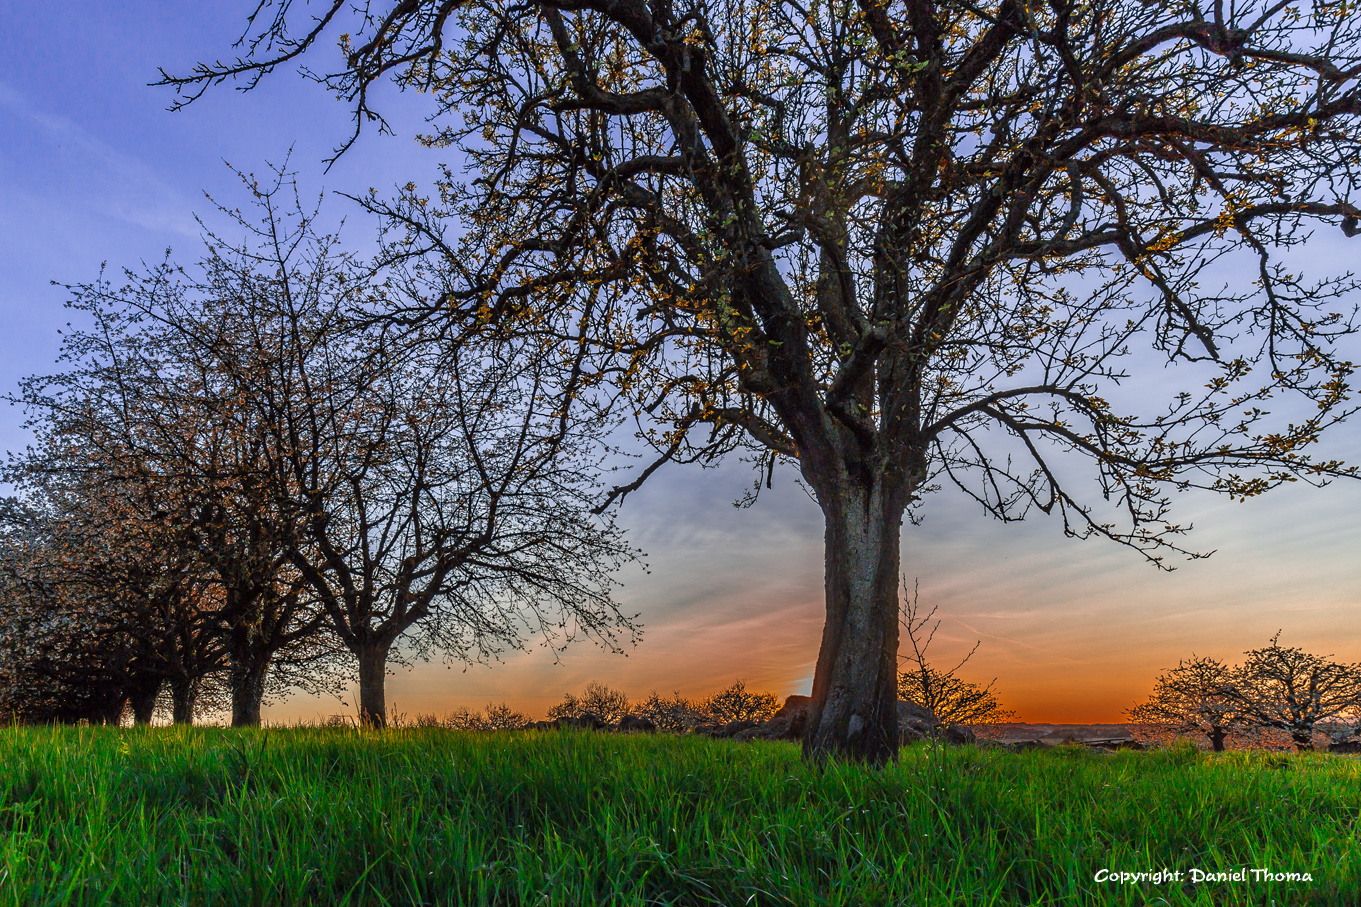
x: 320, y: 816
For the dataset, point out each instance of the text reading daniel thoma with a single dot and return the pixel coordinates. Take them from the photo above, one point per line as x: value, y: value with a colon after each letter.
x: 1199, y: 876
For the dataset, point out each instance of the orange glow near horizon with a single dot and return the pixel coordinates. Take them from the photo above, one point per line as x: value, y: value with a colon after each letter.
x: 1074, y: 633
x: 431, y: 689
x: 774, y: 652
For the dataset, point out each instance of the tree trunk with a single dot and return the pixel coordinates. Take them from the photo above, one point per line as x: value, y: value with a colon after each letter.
x: 1217, y: 736
x: 1304, y: 740
x: 249, y: 665
x: 182, y: 695
x: 373, y: 661
x: 111, y: 711
x: 143, y: 699
x: 854, y: 712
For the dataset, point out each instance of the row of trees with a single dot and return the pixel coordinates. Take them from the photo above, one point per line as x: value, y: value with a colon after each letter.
x: 1277, y: 687
x: 241, y: 484
x: 669, y: 713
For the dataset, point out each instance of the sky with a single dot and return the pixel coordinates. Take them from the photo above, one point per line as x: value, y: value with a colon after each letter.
x: 94, y: 169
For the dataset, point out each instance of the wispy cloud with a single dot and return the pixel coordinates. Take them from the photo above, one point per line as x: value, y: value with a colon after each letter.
x: 64, y: 164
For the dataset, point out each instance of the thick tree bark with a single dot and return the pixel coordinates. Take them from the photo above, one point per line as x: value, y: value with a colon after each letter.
x: 1304, y: 740
x: 249, y: 666
x: 248, y: 691
x: 854, y: 713
x: 1217, y: 736
x: 182, y: 696
x: 143, y: 699
x: 373, y: 661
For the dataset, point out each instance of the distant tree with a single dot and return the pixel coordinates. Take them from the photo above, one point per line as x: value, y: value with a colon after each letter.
x: 1290, y: 690
x: 954, y: 702
x: 894, y: 242
x: 501, y: 717
x: 609, y: 705
x: 129, y: 561
x: 737, y: 703
x: 674, y: 713
x: 497, y: 717
x: 1198, y: 696
x: 101, y: 603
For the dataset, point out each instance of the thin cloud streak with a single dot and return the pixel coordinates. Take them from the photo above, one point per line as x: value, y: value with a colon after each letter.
x: 114, y: 184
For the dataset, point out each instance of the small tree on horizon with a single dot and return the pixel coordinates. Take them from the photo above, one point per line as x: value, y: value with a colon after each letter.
x: 1198, y: 696
x: 1288, y: 689
x: 496, y: 717
x: 605, y: 703
x: 737, y: 703
x: 673, y: 713
x: 955, y: 702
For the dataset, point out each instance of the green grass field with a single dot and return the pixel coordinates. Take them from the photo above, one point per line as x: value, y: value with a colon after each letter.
x: 317, y: 816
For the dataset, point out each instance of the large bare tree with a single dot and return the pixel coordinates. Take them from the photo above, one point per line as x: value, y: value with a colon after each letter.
x: 896, y: 242
x: 436, y: 509
x: 435, y: 493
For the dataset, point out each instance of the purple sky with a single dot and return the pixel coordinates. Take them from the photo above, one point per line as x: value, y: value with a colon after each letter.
x: 93, y: 169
